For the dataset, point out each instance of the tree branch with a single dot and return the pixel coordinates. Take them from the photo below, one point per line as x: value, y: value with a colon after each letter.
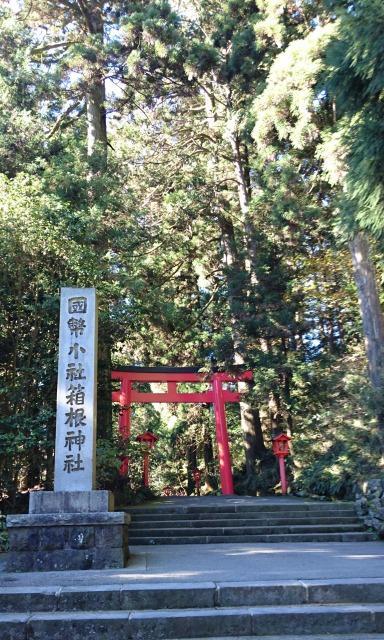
x: 61, y: 118
x: 54, y: 45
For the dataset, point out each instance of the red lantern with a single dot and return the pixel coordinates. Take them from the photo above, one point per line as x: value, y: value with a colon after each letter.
x: 280, y: 445
x: 149, y: 440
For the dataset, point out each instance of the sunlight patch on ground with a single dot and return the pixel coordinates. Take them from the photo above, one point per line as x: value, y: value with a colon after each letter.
x: 363, y: 557
x: 140, y: 576
x: 271, y: 550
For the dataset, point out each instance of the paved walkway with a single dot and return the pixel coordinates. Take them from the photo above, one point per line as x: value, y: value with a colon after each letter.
x: 225, y: 562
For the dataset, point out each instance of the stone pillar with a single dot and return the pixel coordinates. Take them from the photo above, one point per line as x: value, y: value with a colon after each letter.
x: 75, y: 448
x: 74, y: 526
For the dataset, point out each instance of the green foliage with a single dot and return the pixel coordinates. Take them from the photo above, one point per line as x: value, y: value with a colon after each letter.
x: 338, y: 444
x: 127, y: 489
x: 290, y: 105
x: 108, y: 463
x: 357, y: 81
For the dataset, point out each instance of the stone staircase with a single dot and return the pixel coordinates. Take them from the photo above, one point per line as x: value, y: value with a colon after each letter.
x: 245, y: 520
x: 334, y: 609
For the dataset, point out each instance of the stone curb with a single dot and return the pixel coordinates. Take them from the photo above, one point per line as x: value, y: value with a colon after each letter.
x: 159, y: 625
x: 182, y: 595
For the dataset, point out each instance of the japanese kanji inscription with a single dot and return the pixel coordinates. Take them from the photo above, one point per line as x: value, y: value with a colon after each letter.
x: 76, y: 391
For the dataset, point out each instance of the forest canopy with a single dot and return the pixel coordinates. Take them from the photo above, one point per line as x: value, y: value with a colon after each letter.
x: 214, y: 169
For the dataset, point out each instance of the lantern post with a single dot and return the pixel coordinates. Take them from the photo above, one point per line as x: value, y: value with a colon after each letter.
x: 280, y: 446
x: 124, y: 466
x: 148, y: 439
x: 196, y: 474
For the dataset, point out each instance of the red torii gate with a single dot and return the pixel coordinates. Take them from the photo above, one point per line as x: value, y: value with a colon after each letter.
x: 173, y: 376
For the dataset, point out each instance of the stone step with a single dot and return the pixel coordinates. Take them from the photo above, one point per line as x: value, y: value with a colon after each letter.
x: 240, y: 531
x: 164, y: 595
x: 270, y: 515
x: 191, y: 623
x: 283, y: 620
x: 242, y: 508
x: 358, y: 536
x: 241, y: 522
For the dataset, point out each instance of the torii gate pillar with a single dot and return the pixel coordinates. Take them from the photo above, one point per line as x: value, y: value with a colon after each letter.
x: 222, y: 436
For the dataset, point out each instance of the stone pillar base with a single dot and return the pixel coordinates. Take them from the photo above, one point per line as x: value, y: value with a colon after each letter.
x: 68, y: 531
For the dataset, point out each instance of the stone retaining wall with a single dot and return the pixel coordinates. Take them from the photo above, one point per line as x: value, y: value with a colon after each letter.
x: 370, y: 504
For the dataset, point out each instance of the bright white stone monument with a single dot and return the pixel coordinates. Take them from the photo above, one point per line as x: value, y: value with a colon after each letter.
x: 75, y: 450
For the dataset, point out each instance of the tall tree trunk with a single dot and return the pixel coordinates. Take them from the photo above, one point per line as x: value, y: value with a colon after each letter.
x: 250, y: 416
x: 249, y: 413
x: 237, y: 274
x: 97, y: 146
x: 208, y: 453
x: 209, y: 463
x: 372, y: 318
x: 191, y: 466
x: 285, y: 384
x: 244, y: 193
x: 95, y: 88
x: 96, y: 118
